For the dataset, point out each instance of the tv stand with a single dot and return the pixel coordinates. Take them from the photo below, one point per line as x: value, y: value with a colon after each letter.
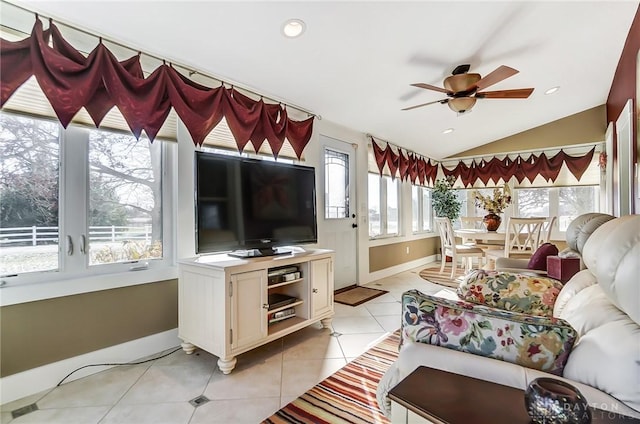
x: 254, y: 253
x: 228, y: 306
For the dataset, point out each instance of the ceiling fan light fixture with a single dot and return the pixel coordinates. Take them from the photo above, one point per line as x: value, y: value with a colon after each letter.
x: 461, y: 104
x: 461, y: 82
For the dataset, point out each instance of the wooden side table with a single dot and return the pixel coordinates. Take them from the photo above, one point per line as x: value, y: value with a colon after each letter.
x: 429, y: 395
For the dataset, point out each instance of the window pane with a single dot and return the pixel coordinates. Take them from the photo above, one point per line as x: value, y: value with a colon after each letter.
x: 415, y: 209
x: 374, y: 205
x: 125, y: 198
x: 29, y: 192
x: 426, y: 209
x: 575, y: 201
x: 336, y: 184
x: 532, y: 202
x: 392, y: 206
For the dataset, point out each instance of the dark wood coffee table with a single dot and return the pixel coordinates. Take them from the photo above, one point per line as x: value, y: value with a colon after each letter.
x: 431, y: 395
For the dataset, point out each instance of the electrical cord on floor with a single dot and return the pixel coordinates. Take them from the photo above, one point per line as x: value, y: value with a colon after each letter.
x: 117, y: 364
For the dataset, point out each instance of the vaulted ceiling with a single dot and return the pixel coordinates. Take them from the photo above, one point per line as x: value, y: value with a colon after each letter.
x: 356, y: 60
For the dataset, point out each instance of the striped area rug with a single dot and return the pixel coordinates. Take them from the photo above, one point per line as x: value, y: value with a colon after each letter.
x: 433, y: 275
x: 347, y: 396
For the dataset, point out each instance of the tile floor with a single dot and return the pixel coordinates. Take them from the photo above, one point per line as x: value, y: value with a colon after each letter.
x: 264, y: 380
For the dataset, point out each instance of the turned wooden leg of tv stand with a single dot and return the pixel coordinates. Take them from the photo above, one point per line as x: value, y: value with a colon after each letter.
x: 227, y: 365
x: 188, y: 347
x: 326, y: 322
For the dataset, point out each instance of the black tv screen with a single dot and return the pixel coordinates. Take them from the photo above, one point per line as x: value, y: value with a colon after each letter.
x: 246, y: 204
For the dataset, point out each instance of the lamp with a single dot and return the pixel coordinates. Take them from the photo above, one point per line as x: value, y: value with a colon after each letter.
x: 461, y: 104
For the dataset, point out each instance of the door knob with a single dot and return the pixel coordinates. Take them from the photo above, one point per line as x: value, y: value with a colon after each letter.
x: 354, y: 225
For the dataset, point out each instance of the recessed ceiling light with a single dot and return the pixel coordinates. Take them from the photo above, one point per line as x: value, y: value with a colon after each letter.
x: 293, y: 28
x: 448, y: 131
x: 552, y: 90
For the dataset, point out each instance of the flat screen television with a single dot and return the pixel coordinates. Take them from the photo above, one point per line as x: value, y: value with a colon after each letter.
x: 252, y: 206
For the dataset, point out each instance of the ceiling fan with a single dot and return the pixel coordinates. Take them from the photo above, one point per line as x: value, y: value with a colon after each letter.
x: 462, y: 88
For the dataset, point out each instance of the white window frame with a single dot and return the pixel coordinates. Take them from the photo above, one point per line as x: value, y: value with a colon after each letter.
x: 384, y: 219
x: 74, y: 274
x: 421, y: 192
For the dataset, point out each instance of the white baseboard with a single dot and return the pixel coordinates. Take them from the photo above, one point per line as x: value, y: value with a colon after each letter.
x: 36, y: 380
x: 388, y: 272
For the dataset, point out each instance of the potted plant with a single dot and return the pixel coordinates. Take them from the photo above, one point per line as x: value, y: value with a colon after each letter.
x: 444, y: 199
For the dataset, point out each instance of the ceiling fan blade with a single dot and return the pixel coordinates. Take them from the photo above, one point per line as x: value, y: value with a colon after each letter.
x: 430, y: 87
x: 502, y: 73
x: 519, y: 93
x: 443, y: 101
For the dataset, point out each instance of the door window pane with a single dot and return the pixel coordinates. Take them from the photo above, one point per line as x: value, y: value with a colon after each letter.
x: 125, y: 198
x: 574, y: 201
x: 29, y: 193
x: 336, y: 184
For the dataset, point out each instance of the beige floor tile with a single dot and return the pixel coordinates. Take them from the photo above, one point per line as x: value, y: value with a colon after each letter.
x: 258, y: 380
x: 354, y: 325
x: 315, y: 344
x: 83, y: 415
x: 168, y: 384
x: 240, y: 411
x: 390, y: 323
x: 286, y: 399
x: 150, y: 413
x: 103, y: 388
x: 341, y: 310
x: 298, y: 376
x: 388, y: 308
x: 28, y: 400
x: 356, y: 344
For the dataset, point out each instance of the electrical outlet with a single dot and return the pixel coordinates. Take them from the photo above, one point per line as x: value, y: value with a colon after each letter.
x: 407, y: 250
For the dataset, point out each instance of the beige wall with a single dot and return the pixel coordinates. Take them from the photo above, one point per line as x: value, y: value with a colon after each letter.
x: 38, y: 333
x: 388, y: 255
x: 588, y: 126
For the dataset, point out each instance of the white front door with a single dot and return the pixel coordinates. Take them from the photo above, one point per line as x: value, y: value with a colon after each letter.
x: 338, y: 211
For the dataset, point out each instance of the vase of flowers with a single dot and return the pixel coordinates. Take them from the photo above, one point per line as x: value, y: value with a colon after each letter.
x: 494, y: 205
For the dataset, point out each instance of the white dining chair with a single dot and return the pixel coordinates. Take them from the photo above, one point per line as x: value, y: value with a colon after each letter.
x: 455, y: 251
x: 522, y: 238
x: 547, y: 228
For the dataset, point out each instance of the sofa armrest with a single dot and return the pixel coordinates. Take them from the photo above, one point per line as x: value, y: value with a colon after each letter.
x: 518, y: 266
x: 532, y: 341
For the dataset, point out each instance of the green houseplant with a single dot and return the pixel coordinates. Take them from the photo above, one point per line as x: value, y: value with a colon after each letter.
x: 444, y: 199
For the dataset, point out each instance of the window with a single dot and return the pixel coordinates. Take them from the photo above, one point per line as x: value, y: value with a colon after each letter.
x: 336, y: 184
x: 383, y: 206
x: 564, y: 202
x: 78, y: 201
x: 422, y: 211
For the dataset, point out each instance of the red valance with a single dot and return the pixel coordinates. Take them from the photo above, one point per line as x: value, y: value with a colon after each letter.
x: 404, y: 164
x: 520, y: 168
x: 99, y: 81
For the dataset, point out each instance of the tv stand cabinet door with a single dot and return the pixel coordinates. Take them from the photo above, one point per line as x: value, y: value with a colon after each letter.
x: 248, y: 309
x: 321, y: 287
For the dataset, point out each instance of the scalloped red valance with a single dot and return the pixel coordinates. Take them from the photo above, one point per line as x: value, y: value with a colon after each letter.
x: 99, y: 81
x: 404, y: 164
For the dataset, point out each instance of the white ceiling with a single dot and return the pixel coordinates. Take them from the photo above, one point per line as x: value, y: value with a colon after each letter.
x: 354, y: 63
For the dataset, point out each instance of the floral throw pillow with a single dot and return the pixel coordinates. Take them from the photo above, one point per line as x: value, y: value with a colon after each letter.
x: 531, y: 341
x: 527, y: 294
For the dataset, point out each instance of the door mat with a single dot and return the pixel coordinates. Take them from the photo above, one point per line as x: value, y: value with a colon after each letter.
x: 356, y: 295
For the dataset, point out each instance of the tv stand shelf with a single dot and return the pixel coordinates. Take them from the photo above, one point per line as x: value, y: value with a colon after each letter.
x: 223, y: 304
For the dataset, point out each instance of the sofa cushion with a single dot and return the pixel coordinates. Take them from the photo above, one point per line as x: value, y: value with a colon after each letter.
x: 529, y: 294
x: 539, y: 258
x: 577, y: 283
x: 611, y: 254
x: 532, y: 341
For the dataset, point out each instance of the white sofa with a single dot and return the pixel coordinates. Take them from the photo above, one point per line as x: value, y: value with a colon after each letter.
x: 601, y: 302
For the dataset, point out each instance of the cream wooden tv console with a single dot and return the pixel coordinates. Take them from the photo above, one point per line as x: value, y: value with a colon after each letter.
x: 223, y: 301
